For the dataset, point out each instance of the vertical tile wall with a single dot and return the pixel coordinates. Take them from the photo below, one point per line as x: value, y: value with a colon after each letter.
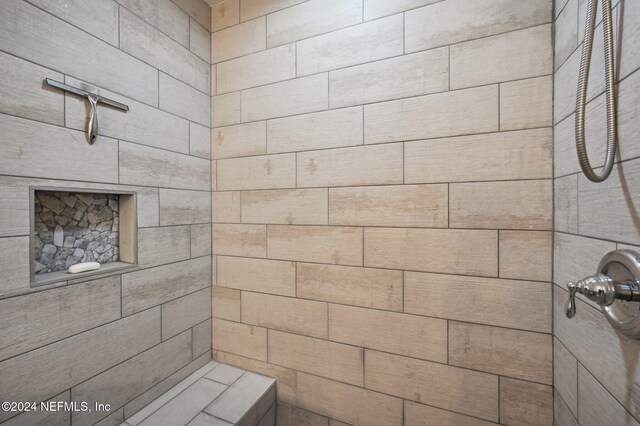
x: 382, y: 207
x: 115, y: 340
x: 596, y: 369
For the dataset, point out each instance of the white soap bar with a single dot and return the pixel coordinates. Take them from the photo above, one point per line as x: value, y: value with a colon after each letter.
x: 83, y: 267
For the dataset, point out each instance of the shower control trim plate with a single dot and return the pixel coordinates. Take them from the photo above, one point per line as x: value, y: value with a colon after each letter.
x: 616, y: 288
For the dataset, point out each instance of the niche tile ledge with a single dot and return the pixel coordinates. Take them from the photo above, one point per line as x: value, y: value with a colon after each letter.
x: 70, y: 226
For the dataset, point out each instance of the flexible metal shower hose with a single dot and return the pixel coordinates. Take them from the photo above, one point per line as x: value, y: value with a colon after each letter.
x: 581, y: 99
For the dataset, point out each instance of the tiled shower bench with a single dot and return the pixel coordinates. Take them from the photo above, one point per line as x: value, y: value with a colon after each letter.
x: 215, y: 395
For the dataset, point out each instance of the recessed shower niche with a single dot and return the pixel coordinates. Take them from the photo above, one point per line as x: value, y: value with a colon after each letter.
x: 70, y: 226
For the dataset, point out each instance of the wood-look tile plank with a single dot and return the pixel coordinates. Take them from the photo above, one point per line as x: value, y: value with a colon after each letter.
x: 258, y: 275
x: 366, y: 287
x: 259, y: 172
x: 430, y: 295
x: 319, y: 130
x: 453, y: 21
x: 351, y: 404
x: 514, y: 353
x: 403, y: 119
x: 411, y: 335
x: 505, y: 57
x: 355, y: 45
x: 363, y: 165
x: 310, y: 18
x: 240, y: 339
x: 456, y: 389
x: 403, y: 76
x: 492, y: 156
x: 319, y: 357
x: 469, y: 252
x: 286, y: 206
x: 504, y: 205
x: 320, y: 244
x: 239, y: 240
x: 405, y: 206
x: 525, y: 402
x: 288, y: 314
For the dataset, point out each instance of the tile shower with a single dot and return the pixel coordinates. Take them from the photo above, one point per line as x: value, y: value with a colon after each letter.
x: 375, y: 202
x: 123, y: 337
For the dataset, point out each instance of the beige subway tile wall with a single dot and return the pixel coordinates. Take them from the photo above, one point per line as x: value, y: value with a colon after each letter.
x: 124, y: 338
x: 592, y: 219
x: 382, y: 207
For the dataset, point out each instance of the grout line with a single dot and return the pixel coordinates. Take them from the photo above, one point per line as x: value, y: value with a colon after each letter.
x: 368, y: 349
x: 266, y: 138
x: 404, y: 33
x: 578, y: 364
x: 161, y: 309
x: 268, y: 331
x: 556, y: 393
x: 112, y: 137
x: 404, y: 163
x: 448, y: 205
x: 363, y: 248
x: 595, y: 238
x: 499, y: 389
x: 376, y: 185
x: 118, y: 47
x: 498, y: 248
x: 80, y: 280
x: 328, y: 335
x: 118, y: 160
x: 90, y: 330
x: 403, y: 273
x: 404, y: 141
x: 328, y: 207
x: 363, y: 128
x: 550, y: 23
x: 577, y: 203
x: 119, y: 29
x: 120, y: 296
x: 160, y: 212
x: 402, y: 399
x: 188, y: 133
x: 376, y: 103
x: 181, y: 381
x: 577, y: 414
x: 370, y: 309
x: 382, y: 227
x: 449, y: 68
x: 386, y: 58
x: 448, y: 336
x: 499, y: 113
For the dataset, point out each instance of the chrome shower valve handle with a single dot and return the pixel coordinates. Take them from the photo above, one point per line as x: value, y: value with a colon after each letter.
x: 616, y: 288
x: 599, y: 288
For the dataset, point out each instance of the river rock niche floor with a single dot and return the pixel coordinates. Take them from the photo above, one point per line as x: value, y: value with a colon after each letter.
x: 215, y: 395
x: 74, y: 227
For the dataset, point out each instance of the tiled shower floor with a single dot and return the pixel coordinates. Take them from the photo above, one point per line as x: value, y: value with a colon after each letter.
x: 215, y: 395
